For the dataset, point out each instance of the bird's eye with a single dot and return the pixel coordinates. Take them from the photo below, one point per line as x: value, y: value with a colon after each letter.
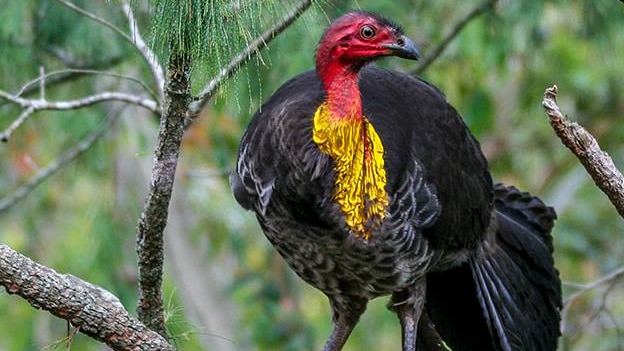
x: 367, y: 32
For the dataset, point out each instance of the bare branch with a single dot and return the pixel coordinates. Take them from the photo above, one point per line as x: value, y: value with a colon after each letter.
x: 136, y: 40
x: 69, y: 155
x: 41, y: 79
x: 39, y: 105
x: 96, y: 19
x: 58, y: 77
x: 146, y: 52
x: 4, y: 136
x: 457, y: 28
x: 239, y: 60
x: 598, y: 163
x: 92, y: 309
x: 608, y: 279
x: 27, y: 87
x: 33, y: 106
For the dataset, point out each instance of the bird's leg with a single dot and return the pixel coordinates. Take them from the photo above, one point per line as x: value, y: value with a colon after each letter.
x: 428, y: 337
x: 408, y: 305
x: 344, y: 319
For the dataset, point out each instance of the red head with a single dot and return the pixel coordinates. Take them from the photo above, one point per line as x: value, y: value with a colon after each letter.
x: 352, y: 41
x: 360, y: 37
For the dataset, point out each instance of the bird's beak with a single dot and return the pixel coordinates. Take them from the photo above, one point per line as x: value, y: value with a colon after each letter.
x: 403, y: 47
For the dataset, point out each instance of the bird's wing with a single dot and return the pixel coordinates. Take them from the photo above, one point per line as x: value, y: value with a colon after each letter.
x: 510, y: 298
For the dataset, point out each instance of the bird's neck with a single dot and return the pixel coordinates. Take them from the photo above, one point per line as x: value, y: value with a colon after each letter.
x: 342, y: 132
x: 343, y: 93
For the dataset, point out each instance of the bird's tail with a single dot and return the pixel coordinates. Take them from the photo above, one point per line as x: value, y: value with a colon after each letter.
x: 509, y: 299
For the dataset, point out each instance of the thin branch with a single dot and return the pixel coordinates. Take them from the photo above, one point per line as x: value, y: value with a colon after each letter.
x: 39, y: 105
x: 457, y: 28
x: 239, y: 60
x: 69, y: 155
x: 610, y: 278
x: 58, y: 77
x: 41, y: 79
x: 146, y: 52
x: 26, y: 87
x: 97, y: 19
x: 136, y: 40
x: 93, y: 310
x: 598, y: 163
x: 4, y: 136
x: 83, y: 102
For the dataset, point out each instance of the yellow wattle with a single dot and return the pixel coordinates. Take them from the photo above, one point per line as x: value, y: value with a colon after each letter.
x: 357, y: 151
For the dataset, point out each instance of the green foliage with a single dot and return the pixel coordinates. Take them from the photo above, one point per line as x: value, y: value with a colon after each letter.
x: 212, y: 32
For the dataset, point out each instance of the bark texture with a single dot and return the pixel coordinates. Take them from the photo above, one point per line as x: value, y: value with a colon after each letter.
x: 92, y: 309
x: 153, y: 220
x: 584, y: 146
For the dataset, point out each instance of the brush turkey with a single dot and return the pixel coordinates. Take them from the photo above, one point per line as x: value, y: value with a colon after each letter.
x: 368, y: 183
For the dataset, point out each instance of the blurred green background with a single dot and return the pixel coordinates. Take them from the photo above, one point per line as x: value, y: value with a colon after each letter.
x: 225, y: 288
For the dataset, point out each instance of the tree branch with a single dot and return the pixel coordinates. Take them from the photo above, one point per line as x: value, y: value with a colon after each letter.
x: 69, y: 155
x: 598, y: 163
x: 146, y: 52
x: 239, y: 60
x: 93, y: 310
x: 610, y: 278
x: 457, y: 28
x: 136, y: 40
x: 31, y: 106
x: 80, y: 71
x: 156, y: 209
x: 96, y: 19
x: 62, y: 76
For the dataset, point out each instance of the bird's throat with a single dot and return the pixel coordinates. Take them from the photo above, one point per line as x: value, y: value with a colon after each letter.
x: 357, y: 152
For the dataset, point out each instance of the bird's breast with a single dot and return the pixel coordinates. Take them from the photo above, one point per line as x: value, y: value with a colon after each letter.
x: 358, y: 156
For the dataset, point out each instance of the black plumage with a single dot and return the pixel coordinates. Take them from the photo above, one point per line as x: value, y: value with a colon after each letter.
x: 478, y: 257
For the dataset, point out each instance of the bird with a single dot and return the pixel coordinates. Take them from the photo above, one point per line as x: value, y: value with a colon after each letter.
x: 369, y: 183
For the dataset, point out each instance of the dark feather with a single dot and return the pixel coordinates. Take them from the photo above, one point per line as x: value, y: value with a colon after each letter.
x: 482, y: 294
x: 510, y: 297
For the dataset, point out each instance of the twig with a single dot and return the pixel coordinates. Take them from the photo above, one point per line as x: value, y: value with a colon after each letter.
x: 33, y: 106
x: 41, y: 79
x: 459, y: 26
x: 584, y: 288
x: 598, y: 163
x: 4, y: 136
x: 146, y: 52
x: 252, y: 48
x: 611, y: 279
x: 26, y: 87
x: 93, y: 310
x: 96, y: 19
x: 82, y: 102
x: 58, y: 77
x: 69, y: 155
x: 136, y: 40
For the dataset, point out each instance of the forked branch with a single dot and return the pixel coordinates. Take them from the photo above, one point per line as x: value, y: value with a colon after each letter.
x: 33, y: 105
